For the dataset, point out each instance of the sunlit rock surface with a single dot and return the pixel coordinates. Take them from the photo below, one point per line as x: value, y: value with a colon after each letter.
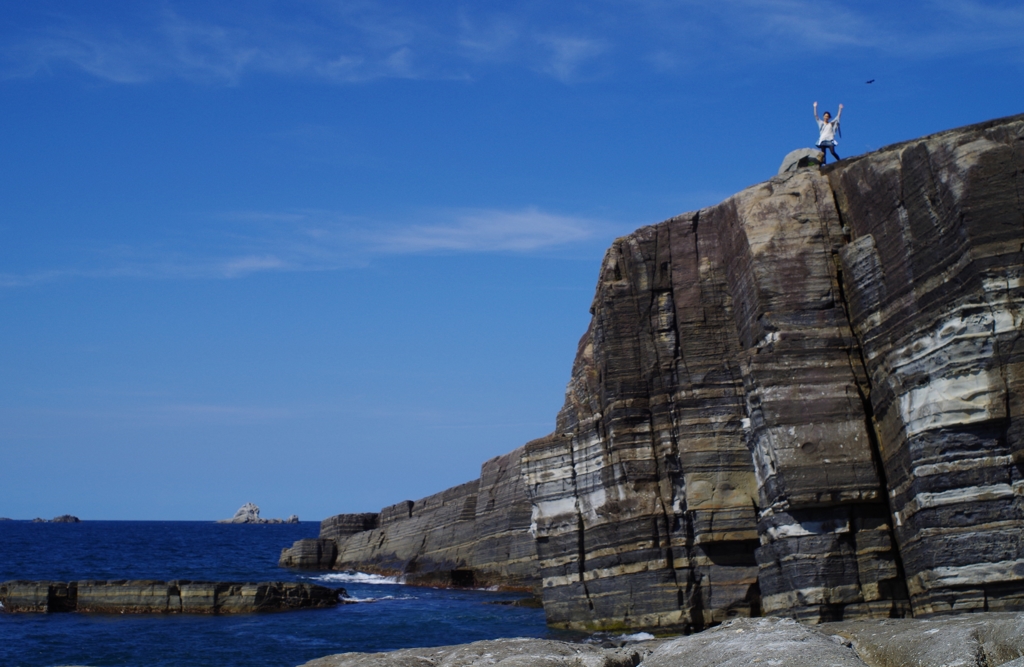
x: 805, y: 401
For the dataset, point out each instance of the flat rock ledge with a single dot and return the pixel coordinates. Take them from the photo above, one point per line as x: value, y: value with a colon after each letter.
x: 164, y: 597
x: 972, y: 640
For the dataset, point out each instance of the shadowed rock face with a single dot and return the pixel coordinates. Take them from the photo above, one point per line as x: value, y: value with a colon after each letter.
x: 804, y: 401
x: 162, y: 597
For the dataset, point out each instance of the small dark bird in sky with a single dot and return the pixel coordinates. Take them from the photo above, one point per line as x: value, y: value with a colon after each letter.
x: 871, y: 81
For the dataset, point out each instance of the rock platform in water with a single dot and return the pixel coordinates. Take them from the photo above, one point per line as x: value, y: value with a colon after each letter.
x: 164, y: 597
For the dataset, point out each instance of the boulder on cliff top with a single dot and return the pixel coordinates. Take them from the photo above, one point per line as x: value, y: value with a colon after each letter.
x: 801, y: 158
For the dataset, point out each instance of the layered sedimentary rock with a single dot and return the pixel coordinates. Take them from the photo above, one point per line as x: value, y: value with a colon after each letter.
x: 475, y: 534
x: 805, y: 401
x: 163, y: 597
x: 826, y: 362
x: 934, y: 278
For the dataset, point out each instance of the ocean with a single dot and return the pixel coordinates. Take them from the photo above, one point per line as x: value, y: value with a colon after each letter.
x: 389, y: 615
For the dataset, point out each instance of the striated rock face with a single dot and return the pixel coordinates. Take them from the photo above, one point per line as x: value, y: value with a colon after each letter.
x: 826, y: 363
x: 472, y: 535
x: 162, y: 597
x: 934, y: 278
x: 805, y: 401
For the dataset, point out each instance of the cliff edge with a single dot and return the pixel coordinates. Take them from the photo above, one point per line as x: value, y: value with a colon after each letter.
x: 805, y: 401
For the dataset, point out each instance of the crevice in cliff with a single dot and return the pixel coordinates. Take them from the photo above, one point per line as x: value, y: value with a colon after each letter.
x: 874, y: 443
x: 581, y: 547
x: 671, y: 472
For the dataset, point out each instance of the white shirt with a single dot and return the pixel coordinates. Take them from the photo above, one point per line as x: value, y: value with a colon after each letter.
x: 827, y: 131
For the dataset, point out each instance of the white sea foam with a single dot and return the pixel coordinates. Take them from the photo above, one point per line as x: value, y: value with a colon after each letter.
x: 359, y: 578
x: 607, y: 639
x: 380, y: 599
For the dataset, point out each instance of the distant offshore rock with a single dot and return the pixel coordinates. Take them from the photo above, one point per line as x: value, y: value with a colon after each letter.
x: 165, y: 597
x: 250, y: 513
x: 63, y: 518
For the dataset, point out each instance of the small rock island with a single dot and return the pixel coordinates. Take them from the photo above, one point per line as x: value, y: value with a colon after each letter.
x: 250, y: 513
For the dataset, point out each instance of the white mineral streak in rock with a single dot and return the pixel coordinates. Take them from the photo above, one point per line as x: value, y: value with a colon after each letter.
x: 967, y: 575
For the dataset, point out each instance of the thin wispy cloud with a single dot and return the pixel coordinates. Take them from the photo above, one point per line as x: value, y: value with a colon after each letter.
x: 567, y: 55
x: 243, y: 243
x: 358, y: 42
x: 488, y: 231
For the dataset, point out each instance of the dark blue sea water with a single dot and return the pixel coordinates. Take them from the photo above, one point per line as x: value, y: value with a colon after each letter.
x: 392, y: 615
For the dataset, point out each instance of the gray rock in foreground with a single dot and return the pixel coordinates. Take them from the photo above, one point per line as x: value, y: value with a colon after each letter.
x: 971, y: 640
x: 503, y: 652
x: 760, y: 641
x: 975, y: 640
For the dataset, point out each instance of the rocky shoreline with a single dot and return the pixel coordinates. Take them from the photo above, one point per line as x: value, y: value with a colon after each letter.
x: 977, y: 640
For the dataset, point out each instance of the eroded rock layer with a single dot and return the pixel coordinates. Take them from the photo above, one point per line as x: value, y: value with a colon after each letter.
x: 472, y: 535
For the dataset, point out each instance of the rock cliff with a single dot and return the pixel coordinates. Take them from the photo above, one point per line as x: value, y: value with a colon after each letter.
x: 805, y: 401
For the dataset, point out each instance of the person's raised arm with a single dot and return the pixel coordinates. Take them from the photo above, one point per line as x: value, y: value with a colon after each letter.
x: 840, y: 114
x: 815, y: 111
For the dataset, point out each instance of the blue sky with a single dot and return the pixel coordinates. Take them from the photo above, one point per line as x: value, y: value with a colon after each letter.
x: 326, y: 256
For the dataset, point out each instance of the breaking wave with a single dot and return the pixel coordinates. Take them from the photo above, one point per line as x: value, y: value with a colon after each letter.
x: 359, y: 578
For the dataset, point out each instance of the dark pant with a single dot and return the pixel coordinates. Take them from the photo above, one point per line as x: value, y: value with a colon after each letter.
x: 828, y: 145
